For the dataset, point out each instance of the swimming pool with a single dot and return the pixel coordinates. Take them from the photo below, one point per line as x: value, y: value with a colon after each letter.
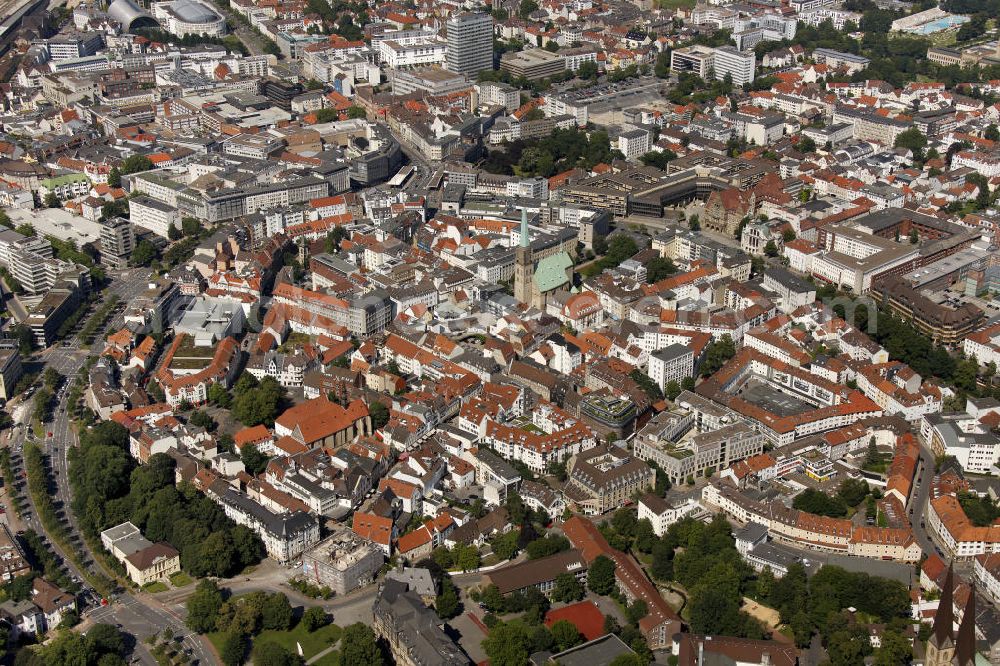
x: 937, y: 25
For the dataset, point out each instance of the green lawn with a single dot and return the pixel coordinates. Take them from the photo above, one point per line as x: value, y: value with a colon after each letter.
x: 675, y: 4
x: 180, y: 579
x: 331, y: 659
x: 154, y: 587
x: 217, y: 638
x: 312, y: 643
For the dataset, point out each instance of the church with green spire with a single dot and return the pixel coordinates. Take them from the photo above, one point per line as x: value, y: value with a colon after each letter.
x: 537, y: 276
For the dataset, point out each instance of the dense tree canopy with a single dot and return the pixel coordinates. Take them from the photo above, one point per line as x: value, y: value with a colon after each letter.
x: 103, y: 645
x: 718, y: 352
x: 562, y: 150
x: 256, y: 402
x: 109, y: 489
x: 815, y: 501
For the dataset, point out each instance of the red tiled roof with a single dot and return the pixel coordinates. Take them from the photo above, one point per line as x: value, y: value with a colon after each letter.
x: 584, y: 615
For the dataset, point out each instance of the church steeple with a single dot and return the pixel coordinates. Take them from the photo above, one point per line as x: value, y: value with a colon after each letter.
x: 524, y: 266
x: 944, y: 618
x: 941, y: 644
x: 965, y: 641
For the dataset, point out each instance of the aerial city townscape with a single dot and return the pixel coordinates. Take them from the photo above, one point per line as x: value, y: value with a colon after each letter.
x: 523, y: 332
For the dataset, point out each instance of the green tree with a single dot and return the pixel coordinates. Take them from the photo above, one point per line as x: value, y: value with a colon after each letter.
x: 673, y: 390
x: 218, y: 395
x: 203, y: 606
x: 853, y: 491
x: 467, y: 557
x: 51, y: 378
x: 806, y: 145
x: 447, y: 603
x: 52, y: 201
x: 565, y: 635
x: 587, y: 70
x: 895, y: 649
x: 356, y: 112
x: 115, y: 177
x: 646, y: 383
x: 144, y: 254
x: 257, y: 403
x: 658, y: 158
x: 526, y: 7
x: 718, y: 353
x: 914, y: 141
x: 269, y: 653
x: 662, y: 67
x: 713, y: 611
x: 379, y: 414
x: 636, y: 611
x: 965, y: 374
x: 505, y: 545
x: 992, y: 133
x: 254, y: 461
x: 234, y: 647
x: 202, y: 420
x: 645, y: 537
x: 25, y: 338
x: 357, y: 646
x: 663, y: 565
x: 507, y: 643
x: 771, y: 249
x: 277, y: 613
x: 567, y: 588
x: 815, y: 501
x: 313, y: 618
x: 550, y: 544
x: 191, y: 226
x: 135, y: 164
x: 601, y: 576
x: 492, y: 599
x: 658, y: 268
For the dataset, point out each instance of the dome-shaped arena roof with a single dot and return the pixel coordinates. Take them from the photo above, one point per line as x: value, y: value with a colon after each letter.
x: 191, y: 11
x: 130, y: 15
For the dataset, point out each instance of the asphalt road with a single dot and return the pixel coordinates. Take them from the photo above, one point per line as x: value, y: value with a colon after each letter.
x: 919, y: 501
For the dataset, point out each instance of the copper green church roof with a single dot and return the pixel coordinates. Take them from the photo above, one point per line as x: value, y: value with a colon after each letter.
x: 551, y: 272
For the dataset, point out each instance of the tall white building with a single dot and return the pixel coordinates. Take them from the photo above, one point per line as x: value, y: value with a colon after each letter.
x: 739, y: 65
x: 470, y: 43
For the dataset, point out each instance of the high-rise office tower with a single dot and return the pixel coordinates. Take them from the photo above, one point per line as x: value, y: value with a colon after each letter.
x: 470, y: 43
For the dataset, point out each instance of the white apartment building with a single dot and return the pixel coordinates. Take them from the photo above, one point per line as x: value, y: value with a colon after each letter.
x: 154, y: 185
x: 154, y: 215
x: 574, y: 57
x: 634, y: 143
x: 497, y: 93
x: 696, y: 59
x: 673, y: 363
x: 662, y: 514
x: 739, y: 65
x: 838, y: 17
x: 395, y: 55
